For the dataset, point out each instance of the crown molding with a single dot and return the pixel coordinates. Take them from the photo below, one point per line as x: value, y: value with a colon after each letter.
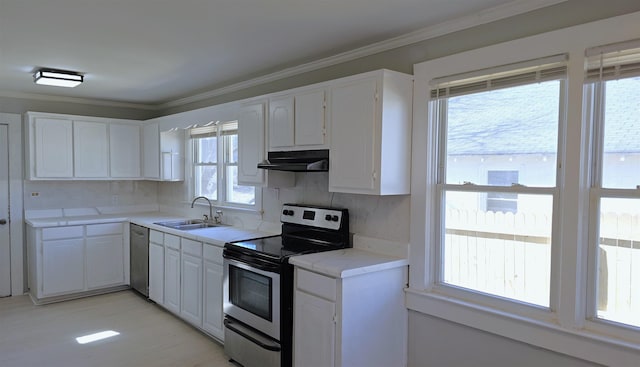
x: 95, y: 102
x: 485, y: 16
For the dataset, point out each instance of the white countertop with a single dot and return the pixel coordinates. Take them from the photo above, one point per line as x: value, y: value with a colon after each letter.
x: 347, y: 262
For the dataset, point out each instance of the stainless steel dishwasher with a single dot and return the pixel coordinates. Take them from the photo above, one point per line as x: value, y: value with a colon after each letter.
x: 139, y: 258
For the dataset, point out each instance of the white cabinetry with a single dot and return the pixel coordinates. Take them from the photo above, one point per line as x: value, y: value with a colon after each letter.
x: 156, y: 267
x: 185, y: 277
x: 191, y: 282
x: 151, y: 150
x: 65, y: 147
x: 105, y: 255
x: 213, y: 315
x: 163, y: 153
x: 251, y: 149
x: 69, y: 261
x: 63, y: 263
x: 172, y: 273
x: 371, y: 134
x: 297, y: 120
x: 52, y: 148
x: 124, y: 150
x: 90, y: 149
x: 355, y: 321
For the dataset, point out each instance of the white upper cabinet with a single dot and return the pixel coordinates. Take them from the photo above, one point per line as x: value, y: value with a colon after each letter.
x: 281, y: 128
x: 251, y: 149
x: 162, y: 153
x: 371, y: 118
x: 151, y: 151
x: 297, y: 120
x: 65, y: 147
x: 251, y: 143
x: 51, y: 149
x: 90, y: 149
x: 124, y: 144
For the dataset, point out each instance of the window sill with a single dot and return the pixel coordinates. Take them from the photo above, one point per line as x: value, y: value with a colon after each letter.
x: 579, y: 343
x: 230, y: 208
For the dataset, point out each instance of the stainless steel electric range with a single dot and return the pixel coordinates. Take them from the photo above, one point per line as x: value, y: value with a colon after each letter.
x: 258, y: 283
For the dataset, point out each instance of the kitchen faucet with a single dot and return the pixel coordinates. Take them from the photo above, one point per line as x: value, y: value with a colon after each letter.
x: 210, y: 217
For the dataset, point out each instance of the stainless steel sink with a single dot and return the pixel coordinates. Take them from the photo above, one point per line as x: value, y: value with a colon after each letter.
x: 188, y: 224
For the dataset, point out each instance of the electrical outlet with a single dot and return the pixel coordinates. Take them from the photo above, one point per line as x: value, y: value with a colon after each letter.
x: 35, y: 194
x: 114, y: 199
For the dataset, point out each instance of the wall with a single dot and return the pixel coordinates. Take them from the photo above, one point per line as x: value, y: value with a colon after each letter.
x: 436, y: 342
x: 568, y: 13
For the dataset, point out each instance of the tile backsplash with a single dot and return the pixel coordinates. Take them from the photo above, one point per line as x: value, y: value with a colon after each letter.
x: 80, y: 194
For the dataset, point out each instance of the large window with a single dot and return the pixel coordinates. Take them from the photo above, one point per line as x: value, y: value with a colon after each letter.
x: 498, y: 136
x: 613, y: 82
x: 215, y: 166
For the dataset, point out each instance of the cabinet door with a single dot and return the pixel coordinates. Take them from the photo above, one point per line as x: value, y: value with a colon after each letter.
x: 90, y: 151
x: 212, y: 318
x: 172, y: 279
x: 250, y: 144
x: 151, y: 151
x: 191, y: 289
x: 314, y: 331
x: 310, y: 118
x: 124, y: 148
x: 53, y: 139
x: 156, y: 273
x: 105, y: 261
x: 281, y: 125
x: 62, y: 266
x: 353, y: 132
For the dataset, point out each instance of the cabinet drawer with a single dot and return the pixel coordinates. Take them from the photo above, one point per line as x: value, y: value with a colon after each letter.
x: 192, y: 247
x: 156, y: 237
x: 172, y: 241
x: 213, y: 253
x: 62, y: 232
x: 316, y: 284
x: 104, y: 229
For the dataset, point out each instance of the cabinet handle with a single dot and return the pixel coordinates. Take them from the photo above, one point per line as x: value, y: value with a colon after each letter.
x: 3, y: 221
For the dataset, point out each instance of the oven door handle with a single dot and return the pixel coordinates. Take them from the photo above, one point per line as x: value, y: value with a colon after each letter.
x: 253, y: 262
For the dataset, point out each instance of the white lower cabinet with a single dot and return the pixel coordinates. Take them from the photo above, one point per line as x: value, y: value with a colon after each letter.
x: 172, y: 279
x: 185, y: 277
x: 105, y: 261
x: 68, y: 261
x: 191, y: 282
x: 62, y: 266
x: 356, y: 321
x: 213, y: 315
x: 156, y: 267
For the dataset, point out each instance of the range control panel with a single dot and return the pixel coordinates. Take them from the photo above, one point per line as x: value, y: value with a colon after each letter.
x: 312, y: 216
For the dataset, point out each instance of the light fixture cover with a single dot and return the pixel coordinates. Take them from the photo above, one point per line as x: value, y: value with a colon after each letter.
x: 58, y: 78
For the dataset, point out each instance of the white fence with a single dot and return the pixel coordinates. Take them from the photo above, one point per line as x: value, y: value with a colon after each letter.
x: 509, y: 255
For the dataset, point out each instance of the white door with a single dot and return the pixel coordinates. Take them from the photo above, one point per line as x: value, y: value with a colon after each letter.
x: 5, y: 258
x: 172, y: 279
x: 191, y: 289
x: 315, y: 331
x: 212, y: 318
x: 310, y: 119
x: 90, y: 150
x: 105, y: 261
x: 251, y: 144
x: 54, y: 148
x: 281, y: 128
x: 124, y: 150
x: 156, y: 273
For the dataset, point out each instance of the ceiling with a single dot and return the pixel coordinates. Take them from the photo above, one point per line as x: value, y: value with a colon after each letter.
x: 150, y: 52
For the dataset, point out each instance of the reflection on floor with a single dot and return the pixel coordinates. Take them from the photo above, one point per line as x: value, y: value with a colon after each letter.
x: 146, y: 335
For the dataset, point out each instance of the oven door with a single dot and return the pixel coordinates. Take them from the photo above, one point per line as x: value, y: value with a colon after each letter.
x: 252, y: 295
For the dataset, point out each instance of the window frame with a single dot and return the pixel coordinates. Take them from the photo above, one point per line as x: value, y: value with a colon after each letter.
x: 594, y: 97
x: 567, y: 329
x: 222, y: 163
x: 439, y: 120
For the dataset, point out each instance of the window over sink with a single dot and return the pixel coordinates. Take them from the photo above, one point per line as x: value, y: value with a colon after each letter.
x: 215, y: 166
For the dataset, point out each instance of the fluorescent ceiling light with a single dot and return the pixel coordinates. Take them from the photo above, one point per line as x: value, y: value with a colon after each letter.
x: 58, y: 78
x: 97, y: 336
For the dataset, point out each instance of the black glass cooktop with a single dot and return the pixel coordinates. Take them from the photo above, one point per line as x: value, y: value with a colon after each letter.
x: 278, y: 247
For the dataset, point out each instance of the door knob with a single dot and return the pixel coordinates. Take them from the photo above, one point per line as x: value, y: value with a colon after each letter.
x: 3, y: 221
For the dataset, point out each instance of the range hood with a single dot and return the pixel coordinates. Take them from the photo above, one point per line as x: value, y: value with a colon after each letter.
x: 297, y: 161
